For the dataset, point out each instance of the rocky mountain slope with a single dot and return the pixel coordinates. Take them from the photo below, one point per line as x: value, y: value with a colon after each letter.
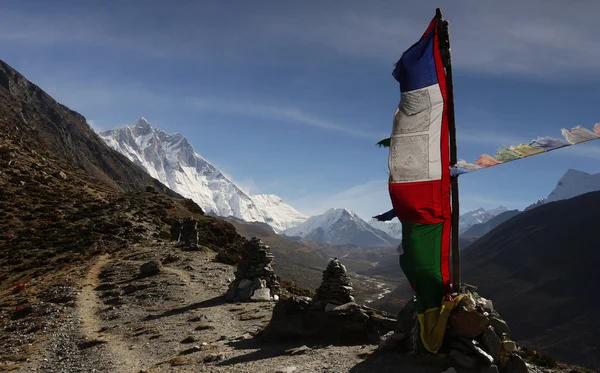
x: 479, y: 230
x: 540, y: 267
x: 340, y: 227
x: 172, y: 160
x: 65, y: 197
x: 572, y: 184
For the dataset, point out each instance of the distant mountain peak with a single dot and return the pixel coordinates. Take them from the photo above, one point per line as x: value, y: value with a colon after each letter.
x: 573, y: 183
x: 341, y: 226
x: 172, y: 160
x: 478, y: 216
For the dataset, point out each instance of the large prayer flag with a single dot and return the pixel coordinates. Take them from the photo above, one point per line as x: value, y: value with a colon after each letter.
x: 419, y: 183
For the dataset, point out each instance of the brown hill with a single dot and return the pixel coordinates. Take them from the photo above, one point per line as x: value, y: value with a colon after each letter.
x: 34, y: 120
x: 540, y: 269
x: 65, y: 198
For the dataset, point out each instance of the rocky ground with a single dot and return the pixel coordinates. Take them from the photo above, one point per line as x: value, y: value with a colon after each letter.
x: 110, y: 317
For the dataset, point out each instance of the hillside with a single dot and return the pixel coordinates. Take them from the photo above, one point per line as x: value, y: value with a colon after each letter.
x: 66, y: 198
x: 540, y: 268
x: 479, y: 230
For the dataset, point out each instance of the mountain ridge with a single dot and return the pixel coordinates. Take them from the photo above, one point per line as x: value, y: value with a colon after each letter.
x: 171, y: 159
x: 340, y: 226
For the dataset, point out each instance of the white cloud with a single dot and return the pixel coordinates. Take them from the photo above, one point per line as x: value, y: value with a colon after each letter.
x: 275, y: 112
x: 536, y: 37
x: 589, y: 150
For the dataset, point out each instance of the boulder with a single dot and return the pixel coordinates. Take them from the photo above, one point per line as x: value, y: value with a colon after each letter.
x: 491, y: 343
x: 151, y: 268
x: 469, y: 324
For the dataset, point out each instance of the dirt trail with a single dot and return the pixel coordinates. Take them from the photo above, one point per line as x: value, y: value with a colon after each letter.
x: 177, y: 321
x: 88, y: 304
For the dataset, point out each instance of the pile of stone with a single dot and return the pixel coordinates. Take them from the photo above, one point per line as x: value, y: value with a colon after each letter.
x: 255, y: 279
x: 185, y: 234
x: 331, y: 316
x: 336, y: 287
x: 477, y: 339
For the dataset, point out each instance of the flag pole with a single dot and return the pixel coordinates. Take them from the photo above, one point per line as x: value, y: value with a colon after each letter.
x: 445, y: 51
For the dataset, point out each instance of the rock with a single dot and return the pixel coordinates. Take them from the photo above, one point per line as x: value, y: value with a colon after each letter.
x: 509, y: 346
x: 488, y: 306
x: 514, y: 364
x: 289, y: 369
x: 347, y: 307
x: 387, y: 342
x: 189, y: 339
x: 151, y: 268
x: 244, y: 283
x: 450, y: 370
x: 170, y: 258
x: 190, y: 350
x: 261, y: 295
x: 499, y: 326
x: 407, y: 317
x: 298, y: 350
x: 471, y: 348
x: 213, y: 358
x: 491, y: 369
x: 463, y: 360
x: 329, y: 307
x: 469, y: 324
x: 491, y: 343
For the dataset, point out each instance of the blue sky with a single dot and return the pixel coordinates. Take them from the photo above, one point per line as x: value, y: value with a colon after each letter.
x: 289, y: 98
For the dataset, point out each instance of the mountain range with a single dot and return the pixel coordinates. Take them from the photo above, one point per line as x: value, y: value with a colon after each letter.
x: 341, y: 227
x: 172, y: 160
x: 75, y: 212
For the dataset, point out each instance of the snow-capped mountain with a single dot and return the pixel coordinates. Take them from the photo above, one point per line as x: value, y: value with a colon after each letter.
x: 340, y: 227
x: 478, y: 216
x: 171, y: 159
x: 392, y: 228
x: 573, y: 183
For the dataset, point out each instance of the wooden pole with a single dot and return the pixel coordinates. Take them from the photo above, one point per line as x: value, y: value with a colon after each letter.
x: 444, y: 45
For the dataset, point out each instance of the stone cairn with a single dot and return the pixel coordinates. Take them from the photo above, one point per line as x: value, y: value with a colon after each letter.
x: 185, y: 234
x: 332, y: 316
x: 336, y: 287
x: 476, y: 339
x: 255, y: 279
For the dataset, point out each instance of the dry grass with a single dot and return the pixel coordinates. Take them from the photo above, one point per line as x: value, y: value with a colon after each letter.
x: 252, y: 316
x: 10, y: 367
x: 181, y: 360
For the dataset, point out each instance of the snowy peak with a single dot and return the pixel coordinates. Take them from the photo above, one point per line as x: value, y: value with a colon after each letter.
x: 172, y: 160
x: 340, y: 226
x: 392, y: 228
x: 477, y: 216
x: 572, y: 184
